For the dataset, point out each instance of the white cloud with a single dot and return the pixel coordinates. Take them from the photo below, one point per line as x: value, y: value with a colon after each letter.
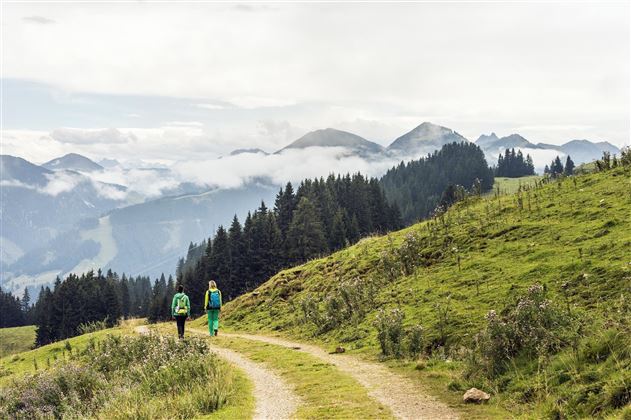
x: 38, y: 19
x: 291, y: 165
x: 552, y: 72
x: 211, y: 106
x: 91, y: 136
x: 253, y: 102
x: 481, y: 66
x: 61, y: 182
x: 184, y: 124
x: 141, y: 183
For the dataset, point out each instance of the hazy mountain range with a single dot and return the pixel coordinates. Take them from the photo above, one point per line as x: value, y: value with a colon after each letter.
x: 60, y: 217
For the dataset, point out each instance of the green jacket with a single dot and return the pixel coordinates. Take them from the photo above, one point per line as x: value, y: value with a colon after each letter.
x: 176, y: 297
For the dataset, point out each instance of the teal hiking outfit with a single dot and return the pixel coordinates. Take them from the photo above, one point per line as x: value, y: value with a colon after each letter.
x: 212, y: 304
x: 180, y: 309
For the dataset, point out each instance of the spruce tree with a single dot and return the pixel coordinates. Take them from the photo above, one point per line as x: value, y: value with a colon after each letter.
x: 125, y: 299
x: 237, y: 258
x: 569, y: 166
x: 113, y: 310
x: 284, y: 208
x: 305, y: 236
x: 338, y: 232
x: 220, y: 261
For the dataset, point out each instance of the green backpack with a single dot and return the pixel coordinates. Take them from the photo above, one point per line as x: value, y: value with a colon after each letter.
x: 181, y: 308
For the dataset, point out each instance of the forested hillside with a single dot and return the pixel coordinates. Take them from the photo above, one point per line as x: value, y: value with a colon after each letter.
x: 325, y: 215
x: 524, y: 296
x: 321, y: 216
x: 417, y: 187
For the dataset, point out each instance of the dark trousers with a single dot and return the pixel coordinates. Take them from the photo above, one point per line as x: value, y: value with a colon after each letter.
x: 180, y: 320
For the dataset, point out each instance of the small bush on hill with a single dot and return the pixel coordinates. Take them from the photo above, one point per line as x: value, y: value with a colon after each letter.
x: 532, y: 326
x: 94, y: 326
x: 348, y: 302
x: 389, y: 326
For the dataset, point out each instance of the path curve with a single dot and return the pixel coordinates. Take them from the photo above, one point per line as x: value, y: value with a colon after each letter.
x: 274, y: 398
x: 400, y: 394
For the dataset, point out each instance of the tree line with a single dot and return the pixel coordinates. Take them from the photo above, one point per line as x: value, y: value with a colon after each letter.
x: 556, y: 168
x: 321, y: 216
x: 514, y: 165
x: 60, y: 312
x: 14, y: 312
x: 417, y: 187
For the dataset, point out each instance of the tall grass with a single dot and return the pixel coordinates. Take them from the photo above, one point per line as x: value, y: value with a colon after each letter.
x: 124, y: 377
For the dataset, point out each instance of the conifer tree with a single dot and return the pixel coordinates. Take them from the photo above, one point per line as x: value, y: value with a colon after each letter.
x: 569, y: 166
x: 284, y: 208
x: 125, y: 299
x: 112, y: 304
x: 237, y: 259
x: 338, y: 232
x: 305, y: 236
x: 220, y: 262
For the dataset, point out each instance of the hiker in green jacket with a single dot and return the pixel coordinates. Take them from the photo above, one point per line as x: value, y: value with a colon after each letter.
x: 212, y: 304
x: 180, y: 309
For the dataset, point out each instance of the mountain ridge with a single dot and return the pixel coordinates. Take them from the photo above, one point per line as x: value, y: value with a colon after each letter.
x: 331, y: 137
x: 73, y: 161
x: 424, y: 136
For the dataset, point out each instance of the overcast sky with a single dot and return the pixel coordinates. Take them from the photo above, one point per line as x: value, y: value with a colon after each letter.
x: 165, y: 82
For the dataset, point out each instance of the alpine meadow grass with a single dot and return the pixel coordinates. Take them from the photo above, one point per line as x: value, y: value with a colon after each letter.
x: 124, y: 377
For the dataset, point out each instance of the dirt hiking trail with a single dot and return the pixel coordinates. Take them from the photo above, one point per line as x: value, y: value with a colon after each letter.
x: 274, y: 397
x: 404, y: 398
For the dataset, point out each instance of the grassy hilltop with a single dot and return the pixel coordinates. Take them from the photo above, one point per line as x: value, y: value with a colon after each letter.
x: 572, y: 237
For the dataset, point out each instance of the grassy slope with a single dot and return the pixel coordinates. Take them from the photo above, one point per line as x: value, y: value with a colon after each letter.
x: 24, y: 362
x: 575, y: 231
x: 511, y: 185
x: 16, y: 340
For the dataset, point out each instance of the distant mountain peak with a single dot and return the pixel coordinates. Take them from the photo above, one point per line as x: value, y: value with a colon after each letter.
x: 331, y: 137
x: 493, y: 143
x: 485, y: 139
x: 74, y: 162
x: 426, y: 135
x: 17, y: 169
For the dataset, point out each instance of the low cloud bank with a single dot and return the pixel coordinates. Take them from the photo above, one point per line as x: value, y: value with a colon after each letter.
x: 291, y: 165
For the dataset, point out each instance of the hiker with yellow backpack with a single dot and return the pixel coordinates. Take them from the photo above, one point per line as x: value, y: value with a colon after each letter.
x: 180, y: 310
x: 212, y: 304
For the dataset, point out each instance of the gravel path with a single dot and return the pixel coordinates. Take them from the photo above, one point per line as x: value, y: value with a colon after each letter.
x: 398, y: 393
x: 274, y: 397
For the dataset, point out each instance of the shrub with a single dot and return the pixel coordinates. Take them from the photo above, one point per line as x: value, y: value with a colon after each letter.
x: 409, y: 252
x: 390, y: 267
x: 532, y: 326
x: 94, y: 326
x: 348, y: 302
x: 415, y: 341
x: 389, y: 326
x: 310, y: 311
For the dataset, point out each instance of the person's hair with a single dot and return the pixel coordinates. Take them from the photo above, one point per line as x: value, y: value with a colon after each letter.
x: 180, y: 288
x: 212, y: 284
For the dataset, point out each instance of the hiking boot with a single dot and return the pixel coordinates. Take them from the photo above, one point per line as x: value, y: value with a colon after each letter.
x: 216, y: 332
